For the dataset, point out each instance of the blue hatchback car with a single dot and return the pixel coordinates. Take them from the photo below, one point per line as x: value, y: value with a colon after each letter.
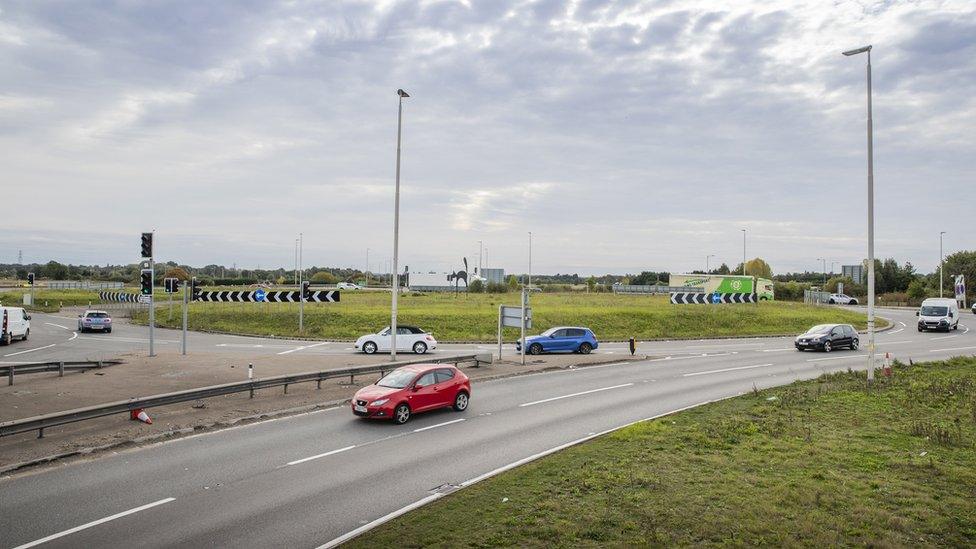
x: 567, y: 339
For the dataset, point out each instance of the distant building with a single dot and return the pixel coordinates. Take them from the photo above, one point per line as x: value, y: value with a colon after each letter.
x: 855, y: 272
x: 493, y: 275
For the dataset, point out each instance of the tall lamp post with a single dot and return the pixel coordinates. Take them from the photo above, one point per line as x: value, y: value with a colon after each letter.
x: 743, y: 252
x: 867, y: 49
x: 707, y: 257
x: 481, y: 254
x: 396, y: 231
x: 824, y: 270
x: 941, y: 263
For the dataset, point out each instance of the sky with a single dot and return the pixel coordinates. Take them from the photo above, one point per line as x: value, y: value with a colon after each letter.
x: 624, y: 135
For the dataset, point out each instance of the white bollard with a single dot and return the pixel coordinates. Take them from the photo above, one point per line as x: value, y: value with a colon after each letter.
x: 250, y: 372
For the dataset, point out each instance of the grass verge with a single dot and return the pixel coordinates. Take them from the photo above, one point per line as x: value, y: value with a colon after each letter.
x: 49, y: 301
x: 475, y: 317
x: 815, y: 463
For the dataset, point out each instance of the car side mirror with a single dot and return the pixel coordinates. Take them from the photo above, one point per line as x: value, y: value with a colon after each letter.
x: 417, y: 387
x: 26, y: 317
x: 79, y: 316
x: 916, y: 313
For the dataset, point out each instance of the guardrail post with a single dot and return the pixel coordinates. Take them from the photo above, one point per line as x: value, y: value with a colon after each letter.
x: 40, y: 433
x: 99, y: 363
x: 10, y: 375
x: 318, y: 384
x: 252, y: 391
x: 286, y: 388
x: 61, y: 369
x: 352, y: 379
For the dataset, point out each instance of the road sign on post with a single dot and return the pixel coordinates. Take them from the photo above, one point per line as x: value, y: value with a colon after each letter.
x: 961, y: 290
x: 511, y: 317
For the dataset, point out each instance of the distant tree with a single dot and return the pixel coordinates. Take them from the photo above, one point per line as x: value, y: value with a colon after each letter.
x: 513, y: 283
x: 834, y: 281
x: 323, y: 277
x: 177, y: 272
x: 963, y: 263
x: 722, y: 269
x: 758, y: 268
x: 281, y: 280
x: 590, y: 283
x: 476, y: 286
x: 54, y: 271
x: 916, y: 290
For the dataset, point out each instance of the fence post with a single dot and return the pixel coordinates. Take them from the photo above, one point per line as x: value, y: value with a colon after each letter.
x: 61, y: 369
x: 10, y: 375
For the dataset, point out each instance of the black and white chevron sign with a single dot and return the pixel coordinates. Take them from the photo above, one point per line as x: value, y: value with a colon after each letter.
x: 693, y: 298
x: 256, y: 296
x: 118, y: 297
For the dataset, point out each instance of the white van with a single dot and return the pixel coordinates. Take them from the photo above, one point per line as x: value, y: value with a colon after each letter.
x: 14, y: 322
x: 938, y: 313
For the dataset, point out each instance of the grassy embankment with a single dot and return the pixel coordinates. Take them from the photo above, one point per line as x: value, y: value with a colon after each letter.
x: 475, y: 317
x: 49, y: 301
x: 818, y: 463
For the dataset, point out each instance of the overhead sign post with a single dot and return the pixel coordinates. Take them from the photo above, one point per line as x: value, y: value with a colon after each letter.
x: 961, y: 290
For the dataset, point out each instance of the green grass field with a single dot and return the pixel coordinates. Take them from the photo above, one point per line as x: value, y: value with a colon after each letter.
x: 820, y: 463
x: 49, y: 301
x: 475, y: 317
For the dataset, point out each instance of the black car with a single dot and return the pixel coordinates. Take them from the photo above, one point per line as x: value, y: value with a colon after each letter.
x: 827, y: 337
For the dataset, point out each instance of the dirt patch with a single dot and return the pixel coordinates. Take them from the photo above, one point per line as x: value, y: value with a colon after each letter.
x: 141, y: 376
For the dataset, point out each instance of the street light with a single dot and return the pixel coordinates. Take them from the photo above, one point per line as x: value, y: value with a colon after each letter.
x: 867, y: 49
x: 824, y: 272
x: 366, y: 272
x: 481, y: 253
x: 743, y: 252
x: 396, y: 229
x: 706, y: 261
x: 941, y: 263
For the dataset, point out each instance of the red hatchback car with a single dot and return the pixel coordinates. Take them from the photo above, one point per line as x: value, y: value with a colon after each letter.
x: 413, y: 389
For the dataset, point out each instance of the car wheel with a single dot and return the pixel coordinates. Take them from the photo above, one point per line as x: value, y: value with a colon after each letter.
x: 461, y: 402
x: 108, y: 331
x: 26, y: 334
x: 420, y: 347
x: 402, y: 414
x: 535, y: 349
x: 585, y: 348
x: 827, y: 347
x: 831, y: 301
x: 7, y: 339
x: 369, y: 347
x: 920, y: 329
x: 853, y: 302
x: 855, y: 344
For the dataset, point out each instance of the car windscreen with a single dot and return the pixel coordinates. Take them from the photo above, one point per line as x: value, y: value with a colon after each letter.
x: 97, y: 315
x: 820, y: 329
x: 549, y: 332
x: 930, y: 310
x: 397, y: 379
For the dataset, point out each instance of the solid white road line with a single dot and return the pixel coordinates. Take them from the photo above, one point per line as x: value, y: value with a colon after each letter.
x: 32, y: 350
x: 94, y: 523
x: 73, y: 336
x: 438, y: 425
x: 941, y: 350
x: 773, y: 350
x: 726, y: 370
x: 574, y: 394
x: 310, y: 458
x: 943, y: 337
x: 57, y: 325
x: 833, y: 358
x: 303, y: 347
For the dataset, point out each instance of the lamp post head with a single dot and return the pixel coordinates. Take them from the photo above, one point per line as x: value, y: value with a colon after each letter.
x: 849, y: 53
x: 402, y: 93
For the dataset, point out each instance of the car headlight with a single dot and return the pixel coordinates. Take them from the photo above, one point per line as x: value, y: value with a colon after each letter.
x: 379, y: 402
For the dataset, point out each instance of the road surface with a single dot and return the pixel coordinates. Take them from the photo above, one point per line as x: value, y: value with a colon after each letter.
x: 308, y: 480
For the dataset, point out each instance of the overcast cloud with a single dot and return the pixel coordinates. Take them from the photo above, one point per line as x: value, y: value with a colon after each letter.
x: 625, y: 135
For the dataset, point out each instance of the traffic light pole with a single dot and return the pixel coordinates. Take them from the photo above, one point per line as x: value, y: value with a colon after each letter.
x: 152, y: 306
x: 186, y: 294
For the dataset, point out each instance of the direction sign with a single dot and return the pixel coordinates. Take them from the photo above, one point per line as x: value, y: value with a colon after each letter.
x: 145, y: 299
x: 512, y: 317
x: 259, y: 295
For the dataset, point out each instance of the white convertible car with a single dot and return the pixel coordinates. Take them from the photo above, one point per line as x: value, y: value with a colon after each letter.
x: 409, y: 338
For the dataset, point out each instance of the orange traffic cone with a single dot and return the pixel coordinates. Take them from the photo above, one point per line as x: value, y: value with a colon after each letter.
x: 140, y: 415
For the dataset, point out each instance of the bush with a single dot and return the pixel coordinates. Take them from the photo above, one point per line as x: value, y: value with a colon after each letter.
x: 497, y: 288
x: 476, y: 286
x: 324, y: 277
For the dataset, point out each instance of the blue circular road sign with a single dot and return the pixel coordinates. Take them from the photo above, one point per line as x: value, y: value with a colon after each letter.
x: 259, y: 295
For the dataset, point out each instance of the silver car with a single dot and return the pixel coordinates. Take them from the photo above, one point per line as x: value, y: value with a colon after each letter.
x: 95, y: 321
x: 841, y: 299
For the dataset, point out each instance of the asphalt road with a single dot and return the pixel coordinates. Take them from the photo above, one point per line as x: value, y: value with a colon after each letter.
x: 307, y: 480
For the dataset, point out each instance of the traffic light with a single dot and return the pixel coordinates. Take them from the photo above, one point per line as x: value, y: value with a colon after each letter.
x: 146, y: 282
x: 306, y: 293
x: 194, y: 290
x: 30, y: 279
x: 172, y: 285
x: 147, y: 244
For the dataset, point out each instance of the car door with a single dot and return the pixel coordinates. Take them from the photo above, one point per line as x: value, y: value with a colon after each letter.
x: 851, y: 334
x: 837, y: 338
x: 446, y: 386
x: 405, y: 338
x: 555, y: 342
x: 424, y: 394
x: 574, y: 336
x: 382, y: 339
